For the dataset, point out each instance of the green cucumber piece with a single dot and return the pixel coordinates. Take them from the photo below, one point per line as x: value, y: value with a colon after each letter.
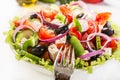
x: 24, y: 34
x: 78, y: 48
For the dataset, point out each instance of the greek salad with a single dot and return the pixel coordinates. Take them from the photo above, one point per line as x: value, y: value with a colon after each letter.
x: 37, y: 36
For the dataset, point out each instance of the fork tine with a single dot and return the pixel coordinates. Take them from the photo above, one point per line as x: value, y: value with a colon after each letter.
x: 72, y: 60
x: 57, y: 57
x: 63, y: 55
x: 68, y: 56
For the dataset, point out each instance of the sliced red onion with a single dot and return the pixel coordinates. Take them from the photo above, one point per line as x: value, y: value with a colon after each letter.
x: 48, y: 23
x: 26, y: 16
x: 80, y: 3
x: 19, y: 28
x: 94, y: 53
x: 96, y: 34
x: 15, y: 32
x: 54, y: 39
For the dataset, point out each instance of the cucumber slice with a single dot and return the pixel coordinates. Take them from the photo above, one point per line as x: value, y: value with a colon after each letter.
x: 24, y: 34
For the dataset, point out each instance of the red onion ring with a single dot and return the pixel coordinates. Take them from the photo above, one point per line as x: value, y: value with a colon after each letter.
x: 48, y: 23
x: 25, y: 26
x: 80, y: 3
x: 94, y: 53
x: 26, y: 17
x: 83, y: 5
x: 54, y: 39
x: 15, y: 32
x: 19, y: 28
x: 96, y: 34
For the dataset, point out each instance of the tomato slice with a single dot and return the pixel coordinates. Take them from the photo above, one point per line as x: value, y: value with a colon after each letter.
x: 101, y: 18
x: 112, y: 44
x: 49, y: 13
x: 67, y: 12
x: 16, y: 23
x: 75, y: 32
x: 92, y: 28
x: 45, y: 33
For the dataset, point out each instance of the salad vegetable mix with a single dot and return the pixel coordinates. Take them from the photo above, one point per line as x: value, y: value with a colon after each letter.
x: 38, y: 36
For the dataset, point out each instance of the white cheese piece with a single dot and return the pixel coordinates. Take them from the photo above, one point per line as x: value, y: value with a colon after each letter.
x: 84, y: 25
x: 61, y: 40
x: 53, y: 50
x: 36, y: 24
x: 56, y: 21
x: 108, y: 51
x: 22, y: 42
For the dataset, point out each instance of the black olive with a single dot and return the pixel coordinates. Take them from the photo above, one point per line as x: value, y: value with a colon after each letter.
x: 80, y: 15
x: 94, y: 57
x: 33, y: 16
x: 107, y: 24
x: 38, y: 50
x: 108, y: 31
x: 62, y: 29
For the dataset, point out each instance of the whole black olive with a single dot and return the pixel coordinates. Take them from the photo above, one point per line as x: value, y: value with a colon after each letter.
x: 107, y: 24
x: 62, y: 29
x: 38, y: 50
x: 108, y: 31
x: 80, y: 15
x: 34, y: 16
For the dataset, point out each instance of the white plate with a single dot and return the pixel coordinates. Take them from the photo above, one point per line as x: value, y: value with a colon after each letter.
x: 11, y: 69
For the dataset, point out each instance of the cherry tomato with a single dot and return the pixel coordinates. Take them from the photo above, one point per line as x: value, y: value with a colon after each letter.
x: 67, y: 12
x: 112, y: 44
x: 45, y: 33
x: 16, y: 23
x: 92, y: 28
x: 75, y: 32
x: 101, y: 18
x: 49, y: 13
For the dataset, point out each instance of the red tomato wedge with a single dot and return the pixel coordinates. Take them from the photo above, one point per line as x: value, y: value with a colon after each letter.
x: 45, y: 33
x: 49, y: 13
x: 92, y: 26
x: 17, y: 23
x: 75, y: 32
x: 67, y: 12
x: 112, y: 44
x: 101, y: 18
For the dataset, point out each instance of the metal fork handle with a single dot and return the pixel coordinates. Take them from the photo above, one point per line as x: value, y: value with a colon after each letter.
x: 61, y: 76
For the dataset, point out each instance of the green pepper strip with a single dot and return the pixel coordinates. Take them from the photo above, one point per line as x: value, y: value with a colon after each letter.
x: 30, y: 42
x: 98, y: 42
x: 61, y: 17
x: 78, y: 25
x: 78, y: 48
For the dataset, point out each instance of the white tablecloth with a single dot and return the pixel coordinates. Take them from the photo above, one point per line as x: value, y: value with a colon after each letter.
x: 11, y: 69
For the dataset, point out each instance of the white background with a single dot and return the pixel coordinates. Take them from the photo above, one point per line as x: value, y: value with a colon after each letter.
x: 11, y: 69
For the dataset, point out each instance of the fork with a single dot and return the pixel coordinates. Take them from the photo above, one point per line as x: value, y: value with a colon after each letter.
x: 63, y: 68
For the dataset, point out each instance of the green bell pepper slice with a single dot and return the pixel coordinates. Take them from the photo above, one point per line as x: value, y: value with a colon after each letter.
x: 78, y: 48
x: 30, y: 42
x: 98, y: 42
x: 77, y: 24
